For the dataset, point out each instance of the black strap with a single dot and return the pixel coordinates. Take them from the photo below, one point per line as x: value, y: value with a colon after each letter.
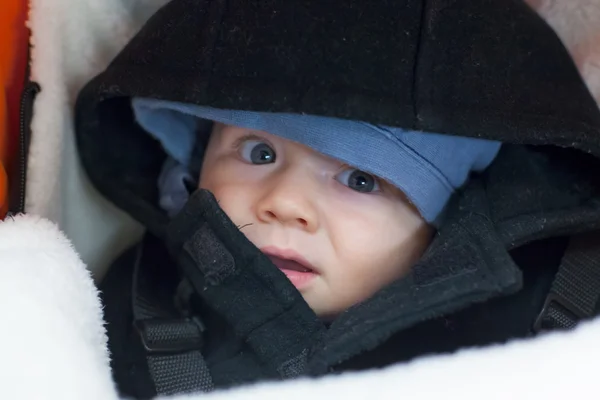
x: 172, y: 342
x: 575, y: 292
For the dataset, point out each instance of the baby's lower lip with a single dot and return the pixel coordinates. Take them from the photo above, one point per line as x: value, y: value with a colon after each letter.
x: 298, y: 278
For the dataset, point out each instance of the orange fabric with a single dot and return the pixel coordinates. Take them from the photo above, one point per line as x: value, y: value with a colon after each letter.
x: 13, y: 58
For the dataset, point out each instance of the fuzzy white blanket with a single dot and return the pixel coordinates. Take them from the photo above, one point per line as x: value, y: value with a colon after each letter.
x: 52, y: 339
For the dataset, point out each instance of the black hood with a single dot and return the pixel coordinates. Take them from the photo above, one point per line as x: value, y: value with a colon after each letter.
x: 480, y: 68
x: 484, y: 68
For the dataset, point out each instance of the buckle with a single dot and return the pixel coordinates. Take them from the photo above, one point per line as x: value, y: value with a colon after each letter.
x: 561, y: 305
x: 170, y: 336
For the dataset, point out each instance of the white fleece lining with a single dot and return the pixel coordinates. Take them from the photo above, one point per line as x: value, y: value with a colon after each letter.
x: 577, y: 22
x: 73, y: 40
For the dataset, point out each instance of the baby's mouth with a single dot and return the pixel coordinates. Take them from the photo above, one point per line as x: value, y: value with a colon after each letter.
x: 291, y: 265
x: 298, y: 271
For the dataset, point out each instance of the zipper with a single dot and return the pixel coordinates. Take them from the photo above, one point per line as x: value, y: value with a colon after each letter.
x: 28, y: 96
x: 18, y: 178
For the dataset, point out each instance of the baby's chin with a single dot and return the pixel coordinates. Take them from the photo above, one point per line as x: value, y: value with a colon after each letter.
x: 325, y: 310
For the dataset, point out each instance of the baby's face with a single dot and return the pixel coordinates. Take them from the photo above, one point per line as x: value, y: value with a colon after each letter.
x: 339, y: 234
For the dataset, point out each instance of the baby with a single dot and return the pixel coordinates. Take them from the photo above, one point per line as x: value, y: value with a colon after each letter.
x: 342, y: 208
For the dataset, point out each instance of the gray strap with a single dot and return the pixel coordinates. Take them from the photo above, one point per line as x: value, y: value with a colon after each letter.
x: 575, y: 292
x: 172, y: 342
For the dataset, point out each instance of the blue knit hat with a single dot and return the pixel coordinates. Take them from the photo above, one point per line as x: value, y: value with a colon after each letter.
x: 427, y: 167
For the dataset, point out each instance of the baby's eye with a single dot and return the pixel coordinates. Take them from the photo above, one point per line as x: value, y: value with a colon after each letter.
x: 358, y: 180
x: 257, y: 152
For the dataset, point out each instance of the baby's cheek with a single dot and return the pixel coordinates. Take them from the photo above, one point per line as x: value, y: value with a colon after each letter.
x: 234, y: 201
x: 389, y: 257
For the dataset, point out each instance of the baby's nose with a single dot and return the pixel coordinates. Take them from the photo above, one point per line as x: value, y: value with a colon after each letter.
x: 290, y: 201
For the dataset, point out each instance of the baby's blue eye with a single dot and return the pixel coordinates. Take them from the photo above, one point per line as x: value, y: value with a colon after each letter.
x: 358, y: 180
x: 256, y: 152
